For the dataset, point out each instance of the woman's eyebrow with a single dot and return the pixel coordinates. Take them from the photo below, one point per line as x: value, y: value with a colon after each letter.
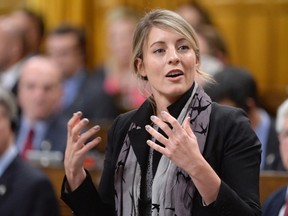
x: 162, y: 42
x: 157, y: 42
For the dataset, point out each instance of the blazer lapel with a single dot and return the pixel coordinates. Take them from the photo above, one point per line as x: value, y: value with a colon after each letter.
x: 138, y: 135
x: 6, y: 180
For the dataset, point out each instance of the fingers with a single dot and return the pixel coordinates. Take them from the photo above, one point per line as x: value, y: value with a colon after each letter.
x: 154, y: 133
x: 162, y: 123
x: 74, y: 120
x: 165, y: 124
x: 89, y: 133
x: 187, y: 127
x: 76, y: 149
x: 156, y: 147
x: 90, y: 145
x: 167, y: 118
x: 76, y: 136
x: 171, y: 127
x: 75, y: 131
x: 180, y: 144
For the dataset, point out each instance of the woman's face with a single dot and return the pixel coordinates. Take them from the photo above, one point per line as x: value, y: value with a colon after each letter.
x: 169, y: 63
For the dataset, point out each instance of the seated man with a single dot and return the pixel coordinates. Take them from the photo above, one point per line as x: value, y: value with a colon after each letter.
x: 39, y: 94
x: 237, y: 87
x: 275, y: 204
x: 24, y: 190
x: 66, y: 46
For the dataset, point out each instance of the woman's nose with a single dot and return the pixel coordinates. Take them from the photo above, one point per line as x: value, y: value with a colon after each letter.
x: 173, y: 58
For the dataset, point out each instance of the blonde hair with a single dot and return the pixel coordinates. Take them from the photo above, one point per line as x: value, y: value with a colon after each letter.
x: 162, y: 19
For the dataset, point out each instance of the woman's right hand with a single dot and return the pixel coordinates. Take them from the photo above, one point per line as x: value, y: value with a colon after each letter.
x: 76, y: 149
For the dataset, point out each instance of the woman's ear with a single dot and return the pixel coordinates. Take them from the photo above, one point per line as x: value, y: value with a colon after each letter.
x: 197, y: 61
x: 140, y: 67
x: 197, y: 65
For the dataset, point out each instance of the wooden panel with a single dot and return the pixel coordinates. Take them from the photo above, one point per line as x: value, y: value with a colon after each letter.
x: 9, y: 5
x: 256, y: 32
x: 56, y: 175
x: 271, y: 181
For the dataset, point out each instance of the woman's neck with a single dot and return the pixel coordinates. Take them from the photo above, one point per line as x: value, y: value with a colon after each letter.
x: 161, y: 105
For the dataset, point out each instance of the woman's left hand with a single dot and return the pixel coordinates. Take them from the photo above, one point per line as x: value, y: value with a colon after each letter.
x: 181, y: 144
x: 182, y: 148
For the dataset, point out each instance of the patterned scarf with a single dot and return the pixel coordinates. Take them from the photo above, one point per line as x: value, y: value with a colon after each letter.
x: 172, y: 188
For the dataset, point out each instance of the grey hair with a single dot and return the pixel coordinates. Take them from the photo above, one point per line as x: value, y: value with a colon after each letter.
x: 282, y: 113
x: 8, y: 101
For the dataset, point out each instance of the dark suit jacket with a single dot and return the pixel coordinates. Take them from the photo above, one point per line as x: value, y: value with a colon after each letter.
x: 27, y: 192
x: 55, y: 135
x: 274, y: 202
x: 93, y: 101
x: 232, y: 149
x: 272, y: 160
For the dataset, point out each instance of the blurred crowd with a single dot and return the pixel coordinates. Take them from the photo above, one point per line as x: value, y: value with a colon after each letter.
x: 45, y: 74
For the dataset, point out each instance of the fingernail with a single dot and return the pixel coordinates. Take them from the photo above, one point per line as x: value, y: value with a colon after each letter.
x: 153, y: 117
x: 85, y: 120
x: 79, y: 113
x: 147, y: 127
x: 96, y: 127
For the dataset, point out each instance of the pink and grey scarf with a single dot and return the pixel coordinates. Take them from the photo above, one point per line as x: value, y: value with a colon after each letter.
x: 172, y: 188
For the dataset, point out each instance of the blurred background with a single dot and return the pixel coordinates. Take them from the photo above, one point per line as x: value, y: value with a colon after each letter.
x: 255, y: 31
x: 250, y: 34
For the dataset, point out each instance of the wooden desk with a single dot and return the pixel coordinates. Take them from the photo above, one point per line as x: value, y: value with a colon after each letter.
x: 270, y: 181
x: 56, y: 175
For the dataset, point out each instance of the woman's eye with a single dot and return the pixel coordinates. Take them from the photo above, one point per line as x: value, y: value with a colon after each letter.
x: 184, y: 47
x: 159, y: 51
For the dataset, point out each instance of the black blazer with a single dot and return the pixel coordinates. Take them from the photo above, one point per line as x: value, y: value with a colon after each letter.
x: 272, y: 160
x: 93, y: 101
x: 274, y: 202
x: 232, y: 149
x: 55, y: 134
x: 25, y: 191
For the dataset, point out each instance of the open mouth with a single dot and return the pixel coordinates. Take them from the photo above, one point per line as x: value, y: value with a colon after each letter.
x: 174, y: 74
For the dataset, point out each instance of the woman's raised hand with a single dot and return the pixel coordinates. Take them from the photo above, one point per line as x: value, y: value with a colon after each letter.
x: 180, y: 146
x: 77, y: 148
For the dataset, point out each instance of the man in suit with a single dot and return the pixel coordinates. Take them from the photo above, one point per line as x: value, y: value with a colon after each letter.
x: 32, y: 25
x: 12, y: 53
x: 237, y: 87
x: 24, y: 190
x: 66, y: 45
x: 39, y: 94
x: 277, y: 202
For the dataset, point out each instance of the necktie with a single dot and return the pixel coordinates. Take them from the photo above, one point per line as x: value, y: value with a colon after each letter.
x: 28, y: 143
